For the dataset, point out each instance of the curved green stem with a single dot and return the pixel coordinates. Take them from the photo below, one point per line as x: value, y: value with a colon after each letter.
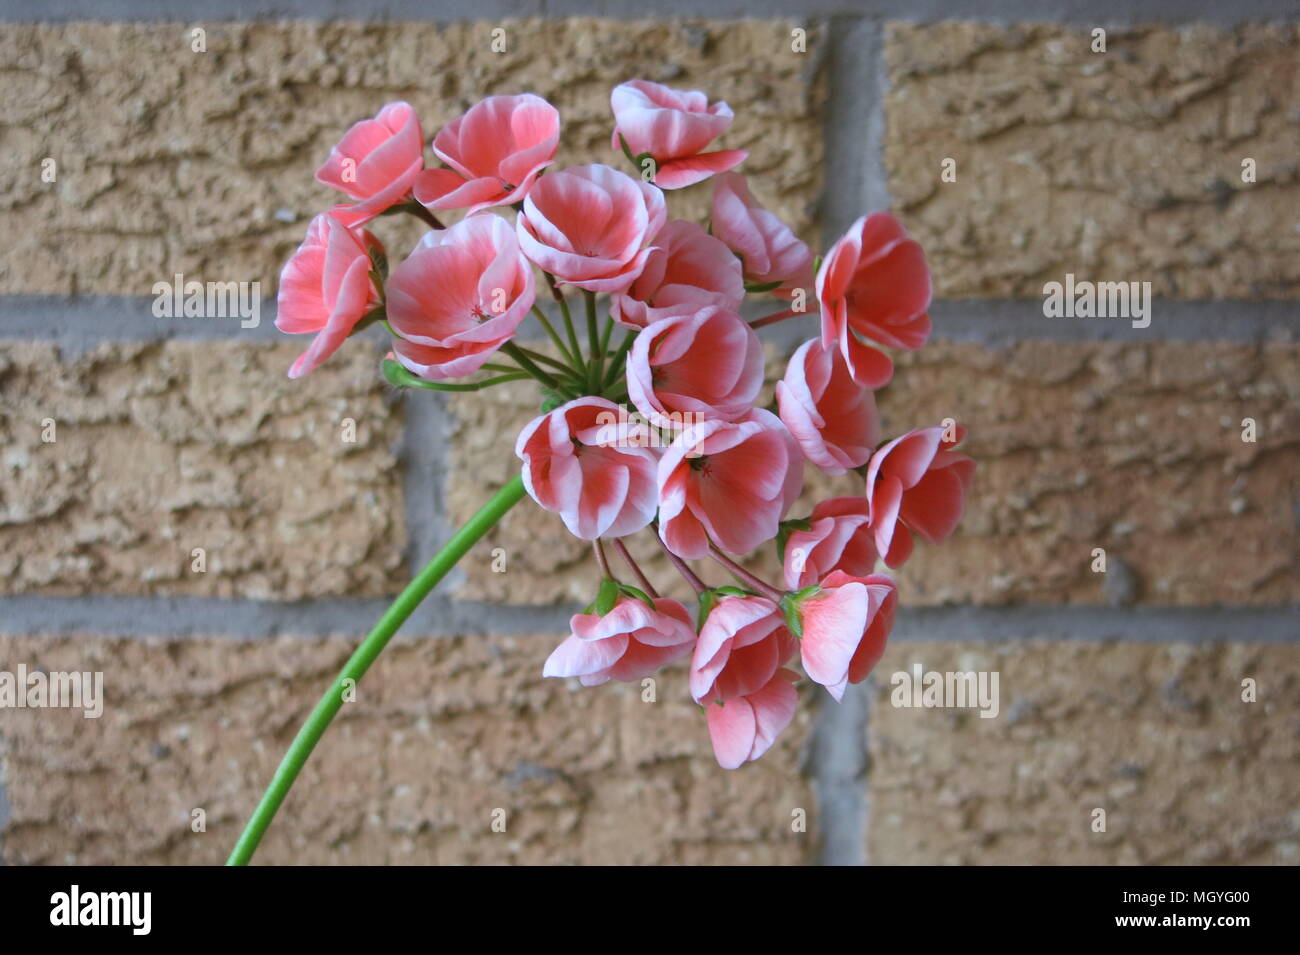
x: 303, y: 744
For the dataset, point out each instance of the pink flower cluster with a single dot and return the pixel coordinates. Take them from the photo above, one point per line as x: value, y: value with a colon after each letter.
x: 702, y: 463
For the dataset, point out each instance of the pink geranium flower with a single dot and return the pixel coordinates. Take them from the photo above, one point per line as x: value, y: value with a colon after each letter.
x: 917, y: 480
x: 326, y: 288
x: 839, y: 538
x: 686, y: 269
x: 579, y: 463
x: 831, y: 416
x: 495, y: 151
x: 729, y: 482
x: 845, y: 626
x: 737, y: 674
x: 744, y: 728
x: 459, y: 297
x: 742, y: 642
x: 770, y: 251
x: 628, y: 643
x: 674, y: 127
x: 874, y: 283
x: 375, y: 163
x: 693, y: 367
x: 589, y: 226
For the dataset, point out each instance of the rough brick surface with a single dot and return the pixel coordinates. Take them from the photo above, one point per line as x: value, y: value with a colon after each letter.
x: 1123, y: 165
x: 1156, y: 735
x: 442, y: 733
x: 1134, y: 448
x: 193, y: 164
x: 160, y: 449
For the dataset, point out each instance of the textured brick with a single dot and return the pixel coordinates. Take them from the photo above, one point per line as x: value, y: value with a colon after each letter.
x: 1135, y: 448
x: 1156, y: 735
x: 1124, y: 165
x: 163, y: 448
x: 442, y: 733
x: 192, y: 164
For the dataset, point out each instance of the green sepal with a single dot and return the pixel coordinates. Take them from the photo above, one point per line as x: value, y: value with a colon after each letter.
x: 764, y: 287
x: 817, y: 265
x: 637, y: 160
x: 637, y: 594
x: 790, y: 607
x: 399, y: 377
x: 783, y: 532
x: 551, y: 399
x: 376, y: 314
x: 607, y: 596
x: 709, y: 599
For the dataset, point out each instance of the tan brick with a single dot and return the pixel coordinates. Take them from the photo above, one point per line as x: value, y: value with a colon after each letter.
x: 1135, y: 448
x: 184, y: 166
x: 160, y: 449
x: 443, y: 732
x: 1156, y: 735
x: 1123, y: 165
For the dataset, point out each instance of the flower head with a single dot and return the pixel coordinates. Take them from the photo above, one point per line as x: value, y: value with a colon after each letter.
x: 628, y: 643
x: 727, y: 482
x: 326, y: 288
x: 495, y: 151
x: 831, y: 416
x: 686, y: 270
x: 673, y: 127
x: 875, y: 284
x: 770, y: 251
x: 695, y: 367
x: 375, y: 163
x: 589, y: 226
x: 845, y: 624
x: 578, y: 463
x: 919, y: 481
x: 458, y: 297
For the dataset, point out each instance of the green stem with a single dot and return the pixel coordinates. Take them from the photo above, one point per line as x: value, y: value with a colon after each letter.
x: 616, y: 364
x: 594, y: 373
x: 474, y: 386
x: 526, y: 363
x: 568, y: 327
x: 359, y: 663
x: 555, y: 336
x: 548, y: 360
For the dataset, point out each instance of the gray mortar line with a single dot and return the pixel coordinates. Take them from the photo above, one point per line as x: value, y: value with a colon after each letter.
x: 1074, y: 623
x: 838, y: 765
x: 853, y: 183
x: 76, y: 325
x: 217, y: 617
x: 425, y: 428
x: 1087, y: 12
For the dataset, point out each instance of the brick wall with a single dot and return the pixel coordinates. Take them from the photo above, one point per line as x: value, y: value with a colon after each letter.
x: 1119, y: 690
